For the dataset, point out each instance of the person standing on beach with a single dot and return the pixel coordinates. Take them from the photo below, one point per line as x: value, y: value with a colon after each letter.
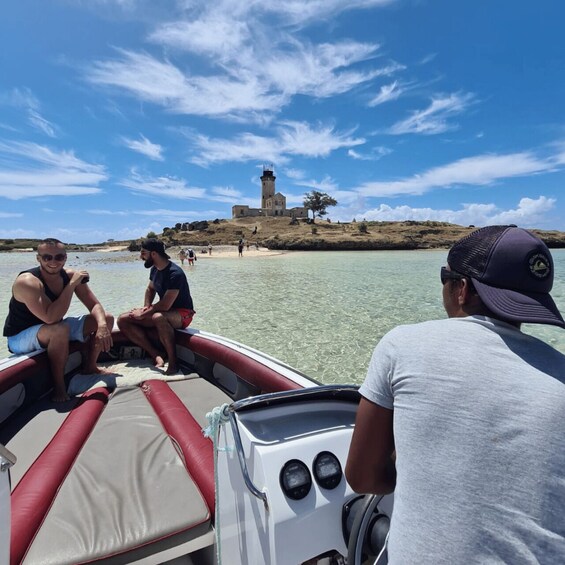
x: 240, y: 247
x: 173, y: 310
x: 464, y: 417
x: 41, y: 297
x: 182, y: 256
x: 209, y: 249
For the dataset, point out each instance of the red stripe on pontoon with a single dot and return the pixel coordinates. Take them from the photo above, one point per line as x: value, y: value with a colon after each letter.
x: 251, y: 370
x: 25, y: 367
x: 37, y: 489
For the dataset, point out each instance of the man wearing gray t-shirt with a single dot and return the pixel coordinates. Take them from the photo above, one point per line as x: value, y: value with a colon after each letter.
x: 464, y: 418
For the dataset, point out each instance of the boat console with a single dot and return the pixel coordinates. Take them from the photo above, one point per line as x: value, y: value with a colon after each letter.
x: 282, y: 494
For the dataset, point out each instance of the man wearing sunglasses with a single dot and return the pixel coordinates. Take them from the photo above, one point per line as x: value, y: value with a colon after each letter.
x: 464, y: 417
x: 40, y: 299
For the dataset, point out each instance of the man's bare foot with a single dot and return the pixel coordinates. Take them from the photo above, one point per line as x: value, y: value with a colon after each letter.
x: 159, y: 361
x: 171, y: 370
x: 60, y: 396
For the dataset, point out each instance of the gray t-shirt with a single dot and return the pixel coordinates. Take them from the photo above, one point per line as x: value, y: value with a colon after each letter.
x: 479, y: 427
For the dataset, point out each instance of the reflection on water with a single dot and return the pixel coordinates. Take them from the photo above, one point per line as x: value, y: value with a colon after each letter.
x: 321, y: 312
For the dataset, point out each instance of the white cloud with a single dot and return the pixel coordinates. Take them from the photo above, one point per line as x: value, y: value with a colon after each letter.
x: 299, y: 138
x: 327, y: 184
x: 434, y: 119
x: 292, y: 138
x: 212, y: 35
x: 31, y: 170
x: 98, y: 212
x: 301, y: 12
x: 145, y: 147
x: 387, y: 93
x: 166, y: 187
x: 319, y: 70
x: 294, y: 174
x: 10, y: 215
x: 254, y: 73
x: 374, y: 154
x: 161, y: 83
x: 230, y: 195
x: 428, y: 58
x: 40, y: 123
x: 25, y: 99
x: 476, y: 171
x: 8, y: 128
x: 528, y: 213
x: 289, y: 13
x: 177, y: 215
x: 226, y: 191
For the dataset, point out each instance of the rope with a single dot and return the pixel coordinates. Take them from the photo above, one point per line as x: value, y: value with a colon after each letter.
x: 217, y: 417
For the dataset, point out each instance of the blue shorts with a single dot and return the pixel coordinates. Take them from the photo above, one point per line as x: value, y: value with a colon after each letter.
x: 26, y: 341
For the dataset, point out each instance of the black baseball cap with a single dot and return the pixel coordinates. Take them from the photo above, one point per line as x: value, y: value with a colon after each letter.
x: 512, y: 271
x: 156, y: 245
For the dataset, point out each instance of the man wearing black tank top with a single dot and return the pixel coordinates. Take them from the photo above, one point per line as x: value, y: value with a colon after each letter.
x: 40, y: 299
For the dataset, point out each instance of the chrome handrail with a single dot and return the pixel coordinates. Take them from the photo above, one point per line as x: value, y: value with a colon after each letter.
x: 242, y: 463
x: 7, y: 459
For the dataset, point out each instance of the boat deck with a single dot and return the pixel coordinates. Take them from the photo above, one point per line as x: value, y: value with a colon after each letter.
x: 117, y: 474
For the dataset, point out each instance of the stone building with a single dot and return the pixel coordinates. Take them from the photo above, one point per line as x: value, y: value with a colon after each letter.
x: 272, y: 203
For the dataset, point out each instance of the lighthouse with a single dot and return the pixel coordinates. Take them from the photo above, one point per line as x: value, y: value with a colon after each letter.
x: 272, y: 203
x: 267, y: 187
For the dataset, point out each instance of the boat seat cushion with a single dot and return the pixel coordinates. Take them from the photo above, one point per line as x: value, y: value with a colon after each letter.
x: 127, y: 488
x: 140, y: 478
x: 182, y: 408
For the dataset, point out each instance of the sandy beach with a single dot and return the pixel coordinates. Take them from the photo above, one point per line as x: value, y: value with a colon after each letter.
x: 218, y: 251
x: 226, y: 251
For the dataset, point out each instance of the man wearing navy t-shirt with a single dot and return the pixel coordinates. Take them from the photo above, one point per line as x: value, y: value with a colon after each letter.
x: 173, y: 310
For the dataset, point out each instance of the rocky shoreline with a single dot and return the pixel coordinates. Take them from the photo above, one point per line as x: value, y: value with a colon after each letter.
x: 283, y: 235
x: 279, y: 234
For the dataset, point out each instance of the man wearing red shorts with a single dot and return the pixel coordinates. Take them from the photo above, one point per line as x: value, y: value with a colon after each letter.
x: 173, y: 310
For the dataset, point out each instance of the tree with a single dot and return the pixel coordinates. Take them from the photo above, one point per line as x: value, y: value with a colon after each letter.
x: 318, y: 202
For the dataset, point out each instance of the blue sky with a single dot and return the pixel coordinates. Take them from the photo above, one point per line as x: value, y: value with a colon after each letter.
x: 118, y: 117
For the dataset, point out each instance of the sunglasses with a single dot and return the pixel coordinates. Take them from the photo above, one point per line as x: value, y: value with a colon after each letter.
x: 59, y: 257
x: 447, y: 275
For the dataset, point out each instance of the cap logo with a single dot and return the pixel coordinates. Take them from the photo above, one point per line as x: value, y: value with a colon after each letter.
x: 540, y: 266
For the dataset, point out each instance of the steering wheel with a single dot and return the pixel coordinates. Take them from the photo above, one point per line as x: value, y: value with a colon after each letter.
x: 369, y: 533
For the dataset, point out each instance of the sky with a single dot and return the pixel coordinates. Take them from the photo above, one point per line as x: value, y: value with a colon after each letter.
x: 120, y: 117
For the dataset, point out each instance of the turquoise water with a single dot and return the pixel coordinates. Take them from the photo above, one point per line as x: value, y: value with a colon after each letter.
x: 321, y: 312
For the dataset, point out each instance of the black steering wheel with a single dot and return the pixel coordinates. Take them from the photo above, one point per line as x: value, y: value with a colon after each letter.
x: 369, y: 532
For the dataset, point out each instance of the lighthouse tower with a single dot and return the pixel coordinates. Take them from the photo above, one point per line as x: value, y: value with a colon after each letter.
x: 267, y: 188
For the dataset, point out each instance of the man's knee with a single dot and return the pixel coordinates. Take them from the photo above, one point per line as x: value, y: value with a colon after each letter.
x: 123, y: 320
x: 158, y: 319
x: 49, y: 333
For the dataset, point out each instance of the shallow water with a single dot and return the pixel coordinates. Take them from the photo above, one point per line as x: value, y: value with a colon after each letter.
x: 321, y: 312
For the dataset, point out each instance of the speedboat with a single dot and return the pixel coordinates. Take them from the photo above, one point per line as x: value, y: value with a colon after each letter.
x: 237, y: 459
